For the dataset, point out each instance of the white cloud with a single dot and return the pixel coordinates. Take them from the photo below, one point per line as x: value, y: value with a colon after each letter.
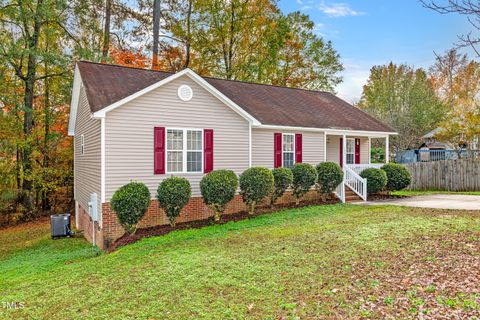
x: 336, y: 10
x: 355, y: 77
x: 326, y: 31
x: 305, y: 4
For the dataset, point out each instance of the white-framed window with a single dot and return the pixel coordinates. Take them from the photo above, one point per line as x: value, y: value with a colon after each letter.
x: 184, y: 150
x: 82, y: 145
x: 350, y: 152
x: 288, y: 150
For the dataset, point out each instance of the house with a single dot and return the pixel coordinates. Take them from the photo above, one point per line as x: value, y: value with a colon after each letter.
x: 430, y: 142
x: 143, y: 125
x: 433, y: 149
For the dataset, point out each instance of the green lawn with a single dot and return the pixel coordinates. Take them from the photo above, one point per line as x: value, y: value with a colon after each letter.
x: 410, y: 193
x: 337, y: 261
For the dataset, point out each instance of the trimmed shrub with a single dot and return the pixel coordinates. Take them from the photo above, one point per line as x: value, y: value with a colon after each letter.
x: 376, y: 179
x: 304, y: 177
x: 130, y: 202
x: 398, y: 177
x: 218, y: 189
x: 329, y: 176
x: 173, y: 194
x: 282, y: 178
x: 255, y: 184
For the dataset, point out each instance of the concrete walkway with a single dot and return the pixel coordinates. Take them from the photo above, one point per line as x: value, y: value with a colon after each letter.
x: 436, y: 201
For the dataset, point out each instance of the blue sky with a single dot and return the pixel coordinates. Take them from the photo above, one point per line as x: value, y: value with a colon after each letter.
x: 373, y: 32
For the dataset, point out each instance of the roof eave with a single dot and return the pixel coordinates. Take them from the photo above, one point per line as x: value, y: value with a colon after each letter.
x: 369, y: 133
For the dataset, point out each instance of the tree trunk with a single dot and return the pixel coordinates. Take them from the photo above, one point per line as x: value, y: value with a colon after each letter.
x: 189, y: 35
x: 156, y: 32
x: 46, y: 137
x: 231, y: 41
x: 217, y: 216
x: 29, y: 81
x: 106, y: 30
x: 17, y: 166
x: 251, y: 210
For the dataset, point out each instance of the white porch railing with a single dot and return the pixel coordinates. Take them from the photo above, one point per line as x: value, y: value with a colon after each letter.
x: 340, y: 192
x: 356, y: 183
x: 360, y: 167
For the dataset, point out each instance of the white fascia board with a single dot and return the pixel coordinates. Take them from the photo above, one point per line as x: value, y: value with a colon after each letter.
x: 192, y: 75
x: 77, y: 84
x: 329, y: 131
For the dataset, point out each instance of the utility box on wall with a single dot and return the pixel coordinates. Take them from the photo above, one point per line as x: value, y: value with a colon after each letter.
x: 92, y: 207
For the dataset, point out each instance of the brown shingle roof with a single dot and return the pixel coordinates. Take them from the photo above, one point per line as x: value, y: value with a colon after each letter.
x: 271, y: 105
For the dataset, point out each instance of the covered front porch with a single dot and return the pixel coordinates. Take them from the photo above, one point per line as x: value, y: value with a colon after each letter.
x: 352, y: 151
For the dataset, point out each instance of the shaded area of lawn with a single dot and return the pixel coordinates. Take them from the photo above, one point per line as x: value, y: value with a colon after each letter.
x: 315, y: 262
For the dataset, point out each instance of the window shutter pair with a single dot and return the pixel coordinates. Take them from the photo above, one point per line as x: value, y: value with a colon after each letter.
x: 277, y: 149
x: 159, y: 150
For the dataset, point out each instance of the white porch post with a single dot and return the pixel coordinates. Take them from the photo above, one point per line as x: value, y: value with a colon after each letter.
x: 369, y: 150
x: 325, y: 146
x: 387, y: 150
x: 344, y: 151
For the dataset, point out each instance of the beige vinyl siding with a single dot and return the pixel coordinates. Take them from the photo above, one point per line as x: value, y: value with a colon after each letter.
x: 87, y: 167
x: 129, y: 135
x: 364, y: 150
x: 333, y: 148
x: 262, y: 147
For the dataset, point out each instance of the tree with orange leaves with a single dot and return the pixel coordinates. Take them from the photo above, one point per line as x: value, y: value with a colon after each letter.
x: 129, y: 58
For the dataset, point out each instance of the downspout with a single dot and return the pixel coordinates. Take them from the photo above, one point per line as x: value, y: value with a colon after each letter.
x: 249, y: 144
x: 93, y: 232
x: 369, y: 150
x: 325, y: 146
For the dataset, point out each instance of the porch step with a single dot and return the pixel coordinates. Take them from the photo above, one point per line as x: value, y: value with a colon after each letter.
x: 351, y: 196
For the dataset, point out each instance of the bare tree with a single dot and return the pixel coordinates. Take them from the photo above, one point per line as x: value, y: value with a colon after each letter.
x: 469, y: 8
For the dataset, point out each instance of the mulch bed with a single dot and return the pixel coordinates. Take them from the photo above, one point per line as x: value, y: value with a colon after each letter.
x: 383, y: 196
x: 243, y: 215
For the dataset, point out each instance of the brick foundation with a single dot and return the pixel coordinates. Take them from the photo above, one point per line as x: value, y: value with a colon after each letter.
x: 194, y: 210
x: 85, y: 224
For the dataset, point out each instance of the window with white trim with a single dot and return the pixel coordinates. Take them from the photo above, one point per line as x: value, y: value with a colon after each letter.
x: 82, y: 145
x: 184, y: 150
x: 350, y: 151
x: 288, y: 150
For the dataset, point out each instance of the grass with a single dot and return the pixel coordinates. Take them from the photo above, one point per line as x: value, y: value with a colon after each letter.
x: 336, y: 261
x: 410, y: 193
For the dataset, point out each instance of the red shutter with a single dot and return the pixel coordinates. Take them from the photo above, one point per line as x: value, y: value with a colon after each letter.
x: 298, y: 148
x: 159, y: 150
x: 357, y: 151
x: 341, y: 152
x: 277, y: 150
x: 207, y: 150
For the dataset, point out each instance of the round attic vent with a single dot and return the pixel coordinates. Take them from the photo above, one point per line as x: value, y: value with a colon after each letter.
x: 185, y: 93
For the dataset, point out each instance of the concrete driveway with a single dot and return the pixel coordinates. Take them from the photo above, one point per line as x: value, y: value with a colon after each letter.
x: 436, y: 201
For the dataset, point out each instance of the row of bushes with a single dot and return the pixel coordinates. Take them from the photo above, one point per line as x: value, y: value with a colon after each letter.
x: 218, y: 188
x: 390, y: 177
